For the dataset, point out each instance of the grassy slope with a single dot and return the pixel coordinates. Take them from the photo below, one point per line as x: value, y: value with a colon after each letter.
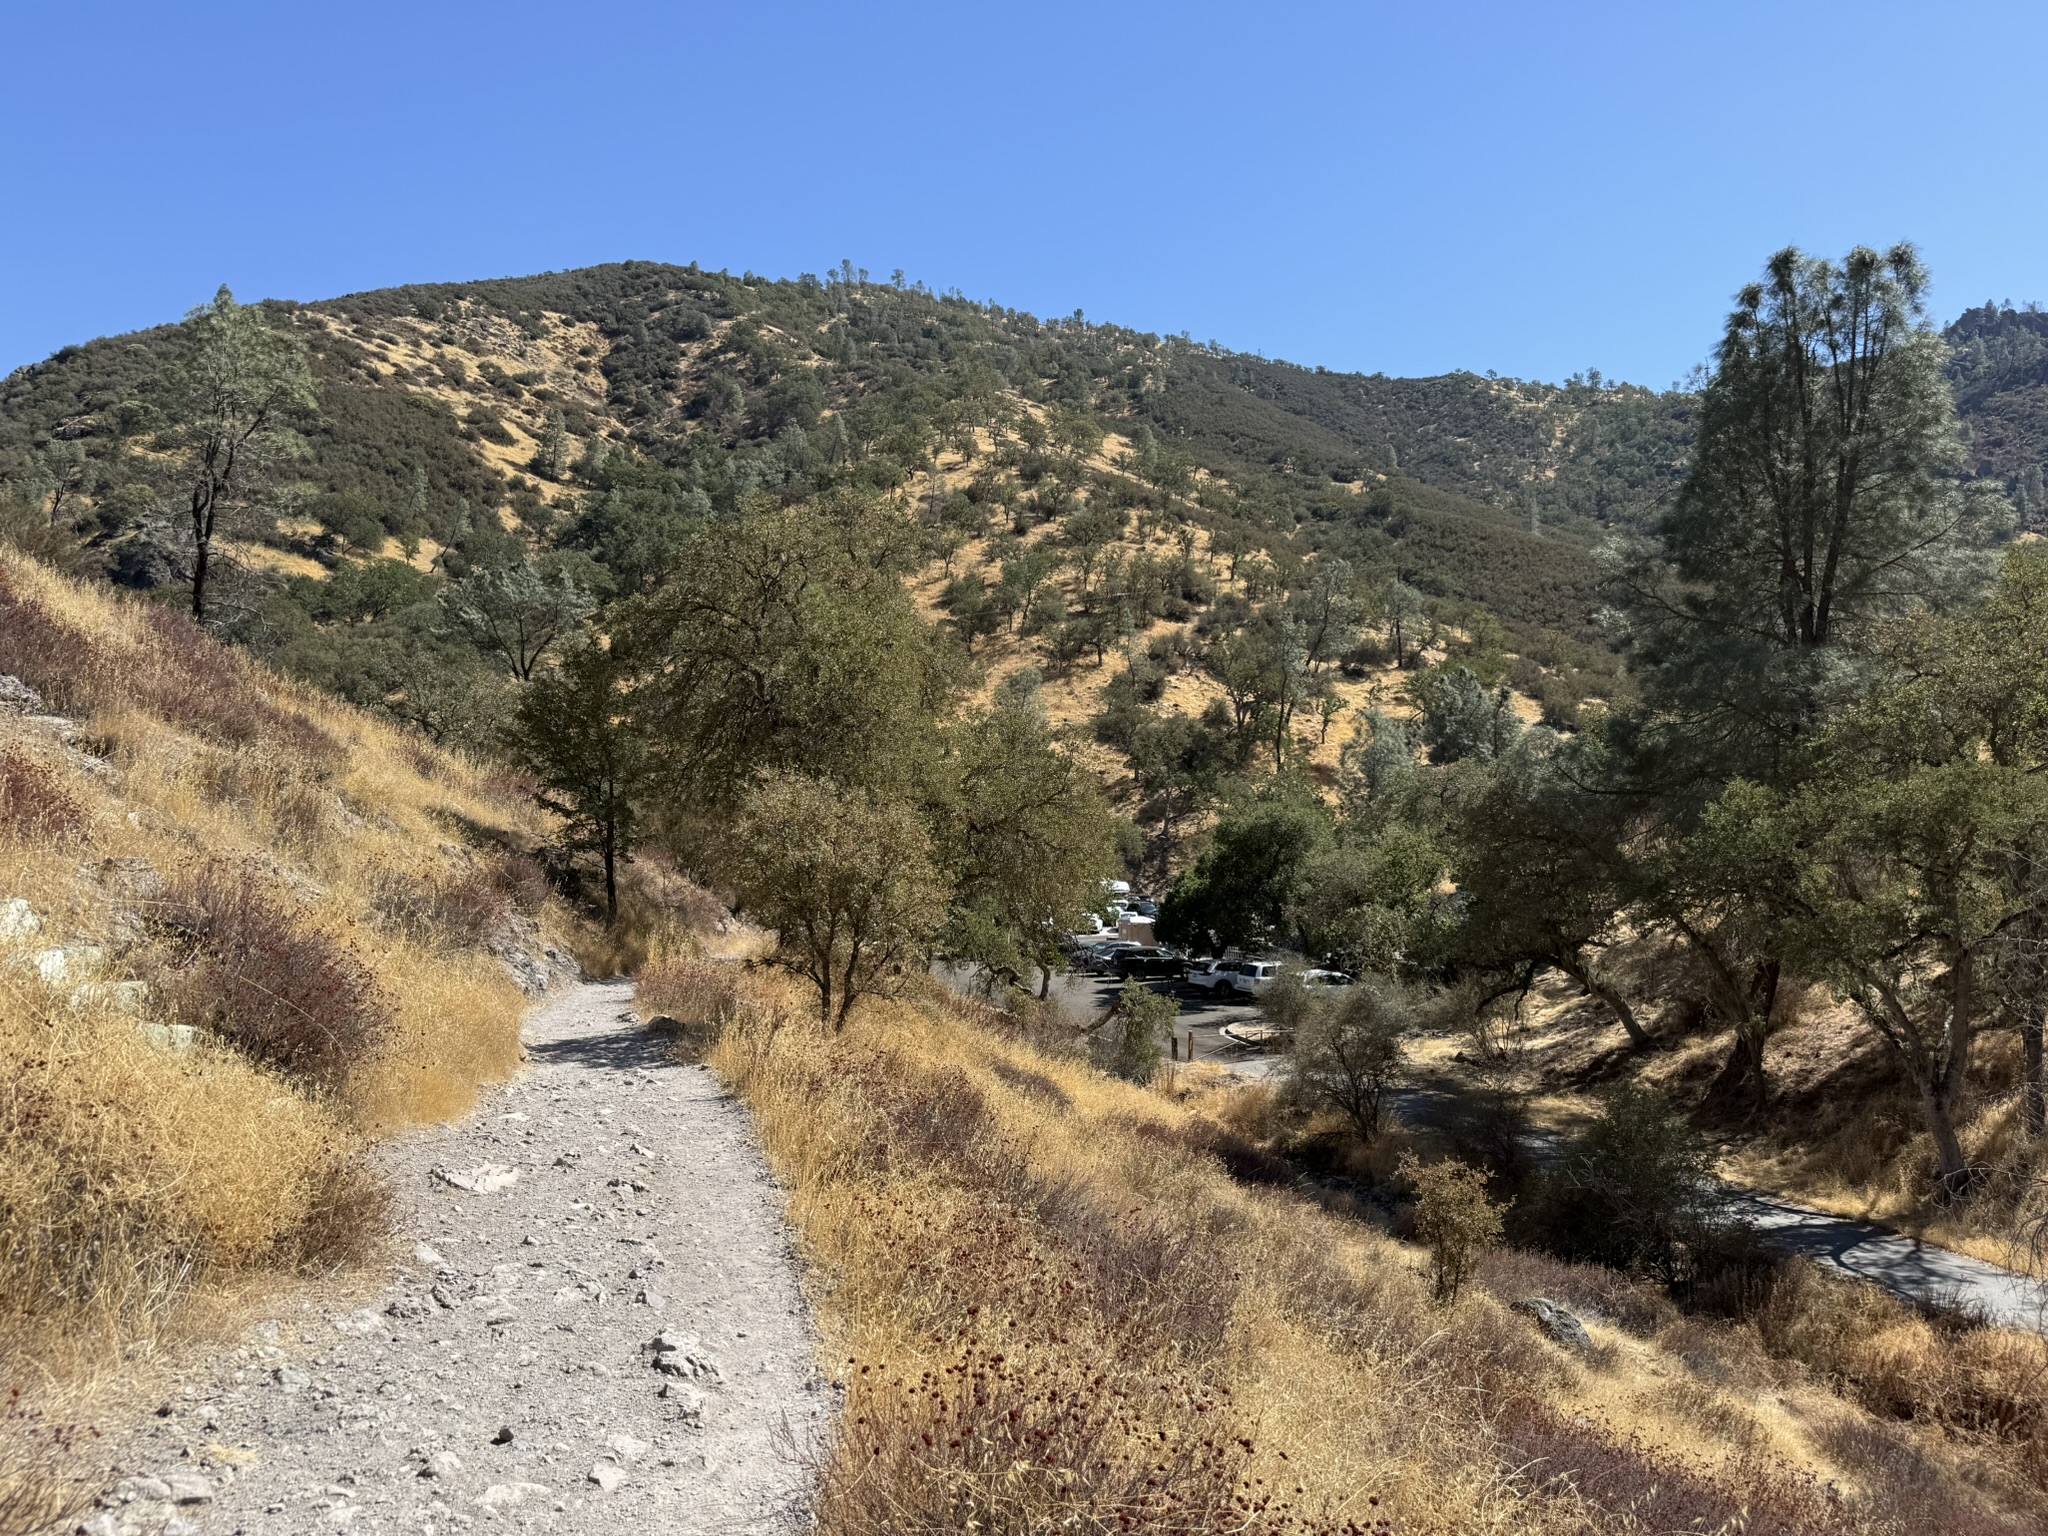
x: 139, y: 1182
x: 1054, y: 1307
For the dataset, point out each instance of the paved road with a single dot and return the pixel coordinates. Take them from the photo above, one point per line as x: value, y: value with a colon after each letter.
x: 1905, y: 1266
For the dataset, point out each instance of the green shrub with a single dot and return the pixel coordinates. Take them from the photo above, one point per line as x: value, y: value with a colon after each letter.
x: 1454, y: 1217
x: 1131, y: 1046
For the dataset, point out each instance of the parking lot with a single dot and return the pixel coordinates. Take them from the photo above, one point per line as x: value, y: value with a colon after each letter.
x: 1085, y: 997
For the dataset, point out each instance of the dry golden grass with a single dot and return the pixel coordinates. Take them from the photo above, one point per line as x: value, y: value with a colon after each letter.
x: 1054, y: 1309
x: 662, y: 915
x: 1843, y: 1133
x: 141, y: 1183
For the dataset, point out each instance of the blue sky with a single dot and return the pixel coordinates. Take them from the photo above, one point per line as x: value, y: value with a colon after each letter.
x: 1414, y: 188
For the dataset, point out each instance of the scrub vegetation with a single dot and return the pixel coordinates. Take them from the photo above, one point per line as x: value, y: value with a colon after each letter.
x: 1662, y: 766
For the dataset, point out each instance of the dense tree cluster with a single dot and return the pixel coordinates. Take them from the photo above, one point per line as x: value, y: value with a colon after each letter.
x: 1830, y: 777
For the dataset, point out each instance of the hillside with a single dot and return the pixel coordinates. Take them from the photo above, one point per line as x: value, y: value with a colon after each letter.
x: 596, y: 414
x: 1089, y: 487
x: 434, y: 397
x: 903, y: 624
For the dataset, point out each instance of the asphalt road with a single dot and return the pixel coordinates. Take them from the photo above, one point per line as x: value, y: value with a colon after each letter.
x: 1905, y: 1266
x: 1910, y: 1269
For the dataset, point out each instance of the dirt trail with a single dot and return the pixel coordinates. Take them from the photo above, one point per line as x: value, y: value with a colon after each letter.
x: 596, y: 1326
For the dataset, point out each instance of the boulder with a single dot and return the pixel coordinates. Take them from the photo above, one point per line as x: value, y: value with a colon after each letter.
x: 18, y: 919
x: 1558, y: 1325
x: 682, y: 1354
x: 168, y: 1037
x: 72, y: 964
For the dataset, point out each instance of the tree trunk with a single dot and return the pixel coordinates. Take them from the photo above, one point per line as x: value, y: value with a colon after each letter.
x: 1740, y: 1084
x: 1044, y: 982
x: 2036, y: 1089
x: 611, y: 878
x: 202, y: 551
x: 847, y: 991
x: 1953, y: 1171
x: 1576, y: 968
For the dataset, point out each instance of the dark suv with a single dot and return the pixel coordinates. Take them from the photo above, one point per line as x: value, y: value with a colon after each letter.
x: 1151, y: 963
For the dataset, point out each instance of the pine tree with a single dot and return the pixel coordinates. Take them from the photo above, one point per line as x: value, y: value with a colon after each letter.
x: 237, y: 393
x: 553, y: 458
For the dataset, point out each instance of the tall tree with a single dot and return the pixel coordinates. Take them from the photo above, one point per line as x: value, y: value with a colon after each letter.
x: 1823, y: 498
x: 1025, y: 834
x: 237, y: 394
x: 784, y: 640
x: 1824, y: 494
x: 572, y: 732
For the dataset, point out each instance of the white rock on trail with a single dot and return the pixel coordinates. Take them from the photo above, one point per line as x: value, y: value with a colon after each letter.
x: 486, y: 1179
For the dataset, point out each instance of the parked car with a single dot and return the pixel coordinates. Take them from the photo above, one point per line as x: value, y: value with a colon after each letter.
x: 1101, y: 958
x: 1081, y: 938
x: 1149, y: 962
x: 1209, y: 975
x: 1145, y: 906
x: 1251, y: 977
x: 1323, y: 978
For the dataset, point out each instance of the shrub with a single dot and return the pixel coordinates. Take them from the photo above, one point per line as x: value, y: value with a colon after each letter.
x: 35, y: 805
x: 997, y: 1439
x: 1347, y: 1051
x: 1130, y: 1046
x: 1636, y: 1190
x: 523, y: 880
x: 468, y: 909
x: 1453, y: 1217
x: 281, y: 993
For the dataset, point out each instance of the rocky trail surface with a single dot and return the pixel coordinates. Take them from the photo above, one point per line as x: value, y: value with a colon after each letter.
x: 595, y: 1326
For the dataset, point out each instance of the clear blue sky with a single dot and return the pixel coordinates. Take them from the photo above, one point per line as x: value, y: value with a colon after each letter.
x: 1414, y: 188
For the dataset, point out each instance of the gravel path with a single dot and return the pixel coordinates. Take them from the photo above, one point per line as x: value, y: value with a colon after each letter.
x: 596, y: 1326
